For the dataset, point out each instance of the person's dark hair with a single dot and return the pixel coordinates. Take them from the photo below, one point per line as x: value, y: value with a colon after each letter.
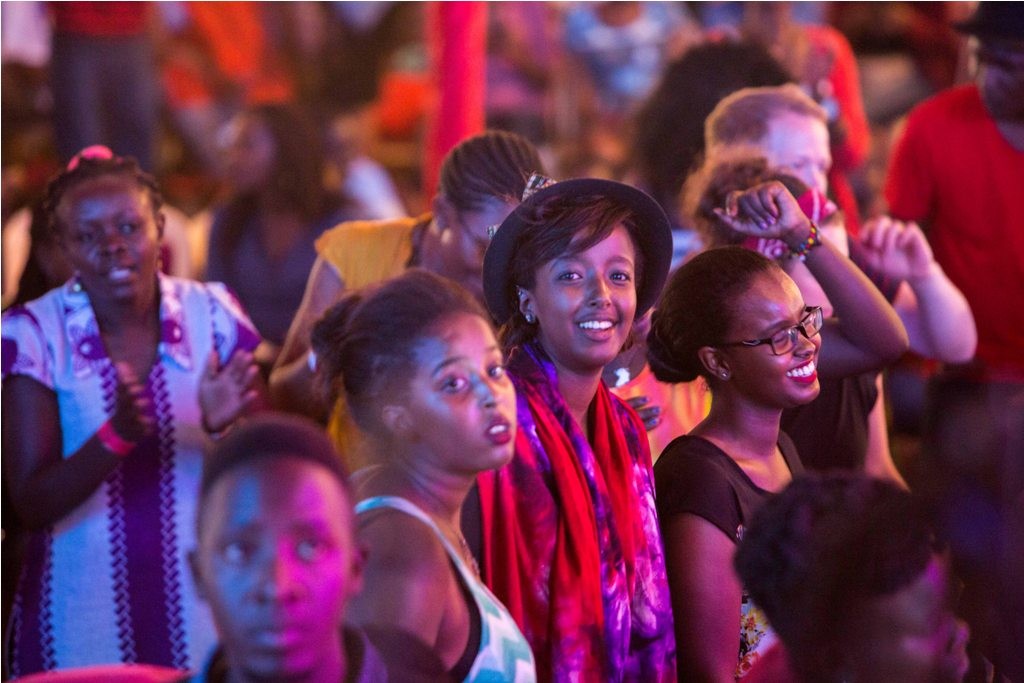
x: 265, y: 437
x: 85, y: 168
x: 551, y: 228
x: 822, y: 548
x: 47, y: 267
x: 365, y: 344
x: 707, y: 189
x: 697, y: 309
x: 491, y: 164
x: 296, y: 183
x: 669, y: 128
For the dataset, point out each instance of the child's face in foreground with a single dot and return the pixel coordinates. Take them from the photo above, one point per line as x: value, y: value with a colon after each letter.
x: 277, y: 562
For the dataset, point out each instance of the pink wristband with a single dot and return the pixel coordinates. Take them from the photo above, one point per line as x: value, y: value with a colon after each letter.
x: 113, y: 441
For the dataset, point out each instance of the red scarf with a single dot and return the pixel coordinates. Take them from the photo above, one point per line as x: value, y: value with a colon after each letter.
x: 562, y: 530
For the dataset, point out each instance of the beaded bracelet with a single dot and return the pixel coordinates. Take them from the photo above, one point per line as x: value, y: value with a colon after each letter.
x: 813, y: 240
x: 113, y: 441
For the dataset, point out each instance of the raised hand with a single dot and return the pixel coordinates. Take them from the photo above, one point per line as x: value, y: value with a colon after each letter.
x: 765, y: 210
x: 133, y: 417
x: 225, y: 393
x: 898, y: 250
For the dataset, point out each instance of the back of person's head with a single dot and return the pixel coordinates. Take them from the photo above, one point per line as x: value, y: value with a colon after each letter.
x: 822, y: 554
x: 493, y: 164
x: 743, y: 117
x: 90, y: 164
x: 707, y: 190
x: 697, y: 309
x: 366, y: 343
x: 265, y: 438
x: 670, y: 126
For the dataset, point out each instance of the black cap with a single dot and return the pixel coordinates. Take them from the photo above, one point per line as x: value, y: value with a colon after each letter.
x: 654, y: 234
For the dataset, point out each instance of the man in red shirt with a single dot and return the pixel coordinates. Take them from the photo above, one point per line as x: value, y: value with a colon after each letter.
x: 959, y: 170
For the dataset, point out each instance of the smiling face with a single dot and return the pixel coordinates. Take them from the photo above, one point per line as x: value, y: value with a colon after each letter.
x: 460, y: 406
x: 584, y: 303
x: 277, y: 562
x: 771, y: 304
x: 111, y: 237
x: 798, y: 144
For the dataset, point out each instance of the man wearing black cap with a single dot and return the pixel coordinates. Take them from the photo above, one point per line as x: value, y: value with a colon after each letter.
x: 959, y: 170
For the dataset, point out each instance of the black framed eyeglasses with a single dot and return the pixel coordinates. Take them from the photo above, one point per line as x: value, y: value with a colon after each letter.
x: 784, y: 341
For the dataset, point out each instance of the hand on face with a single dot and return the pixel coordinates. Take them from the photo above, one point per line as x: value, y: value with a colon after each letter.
x: 228, y: 392
x: 765, y: 210
x: 896, y: 249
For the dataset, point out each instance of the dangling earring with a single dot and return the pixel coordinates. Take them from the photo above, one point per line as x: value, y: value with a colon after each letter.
x: 76, y: 285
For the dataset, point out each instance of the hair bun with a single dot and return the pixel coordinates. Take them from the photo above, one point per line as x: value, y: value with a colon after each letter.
x: 661, y: 359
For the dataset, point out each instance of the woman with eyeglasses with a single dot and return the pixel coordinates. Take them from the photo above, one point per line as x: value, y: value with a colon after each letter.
x: 735, y: 318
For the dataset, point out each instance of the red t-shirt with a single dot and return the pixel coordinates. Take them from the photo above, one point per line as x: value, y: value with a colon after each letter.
x: 100, y: 19
x: 955, y: 171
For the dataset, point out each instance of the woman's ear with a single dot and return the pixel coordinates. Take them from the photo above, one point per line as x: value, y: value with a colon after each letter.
x: 161, y: 221
x: 714, y: 362
x: 445, y: 214
x: 397, y: 421
x: 525, y: 298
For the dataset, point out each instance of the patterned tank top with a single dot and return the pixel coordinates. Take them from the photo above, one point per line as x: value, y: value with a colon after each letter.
x: 504, y: 653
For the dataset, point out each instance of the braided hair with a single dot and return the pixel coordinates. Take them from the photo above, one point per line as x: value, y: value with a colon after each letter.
x: 491, y: 164
x: 91, y: 164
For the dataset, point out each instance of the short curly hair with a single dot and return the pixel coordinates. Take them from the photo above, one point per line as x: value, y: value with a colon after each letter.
x: 706, y: 189
x: 817, y: 551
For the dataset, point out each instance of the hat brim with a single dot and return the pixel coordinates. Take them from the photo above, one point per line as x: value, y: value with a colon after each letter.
x: 654, y: 236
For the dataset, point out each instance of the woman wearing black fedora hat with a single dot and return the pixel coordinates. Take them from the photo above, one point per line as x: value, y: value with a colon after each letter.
x: 570, y: 537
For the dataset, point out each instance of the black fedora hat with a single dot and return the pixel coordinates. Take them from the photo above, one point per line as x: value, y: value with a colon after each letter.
x: 653, y: 234
x: 995, y: 20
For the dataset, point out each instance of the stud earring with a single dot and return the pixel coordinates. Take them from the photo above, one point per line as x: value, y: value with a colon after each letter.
x: 530, y: 319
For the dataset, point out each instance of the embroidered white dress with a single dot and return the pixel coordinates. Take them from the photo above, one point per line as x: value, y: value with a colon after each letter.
x: 109, y: 582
